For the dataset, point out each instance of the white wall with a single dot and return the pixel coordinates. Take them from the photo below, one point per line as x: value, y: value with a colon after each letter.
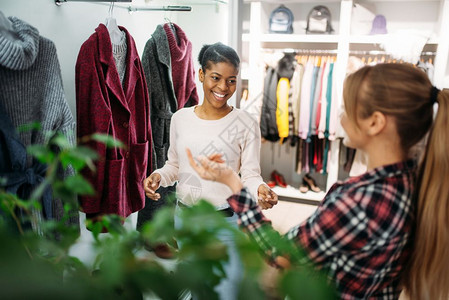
x: 71, y: 23
x: 205, y: 24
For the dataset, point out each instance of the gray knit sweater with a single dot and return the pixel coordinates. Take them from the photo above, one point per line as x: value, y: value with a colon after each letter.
x: 119, y: 54
x: 31, y: 90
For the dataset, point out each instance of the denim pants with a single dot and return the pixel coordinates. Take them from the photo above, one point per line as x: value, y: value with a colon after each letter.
x: 227, y: 289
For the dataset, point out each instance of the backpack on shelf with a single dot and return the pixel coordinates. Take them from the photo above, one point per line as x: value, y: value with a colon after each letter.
x: 319, y: 20
x: 281, y: 20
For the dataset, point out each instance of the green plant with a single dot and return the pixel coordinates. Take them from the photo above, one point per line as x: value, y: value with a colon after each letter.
x: 37, y: 266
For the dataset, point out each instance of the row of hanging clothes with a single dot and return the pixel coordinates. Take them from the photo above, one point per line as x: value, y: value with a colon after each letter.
x: 300, y: 107
x: 425, y: 63
x: 132, y: 99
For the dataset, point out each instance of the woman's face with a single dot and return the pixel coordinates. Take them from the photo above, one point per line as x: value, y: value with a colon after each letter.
x: 219, y: 83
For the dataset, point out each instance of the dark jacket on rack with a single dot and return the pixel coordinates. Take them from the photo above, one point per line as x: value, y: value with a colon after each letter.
x: 103, y: 106
x: 159, y: 53
x: 31, y: 91
x: 16, y: 177
x: 268, y: 125
x: 156, y: 63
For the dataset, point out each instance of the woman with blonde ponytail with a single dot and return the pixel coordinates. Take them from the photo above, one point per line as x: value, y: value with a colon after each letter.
x: 388, y: 229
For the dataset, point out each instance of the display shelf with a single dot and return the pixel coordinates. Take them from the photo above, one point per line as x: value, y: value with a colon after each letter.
x: 290, y: 192
x: 305, y: 38
x: 378, y: 39
x: 317, y: 38
x: 293, y: 38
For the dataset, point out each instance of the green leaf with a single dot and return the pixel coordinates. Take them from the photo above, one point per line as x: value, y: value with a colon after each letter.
x: 84, y: 153
x: 95, y: 227
x: 42, y: 153
x: 114, y: 224
x: 39, y: 191
x: 29, y: 127
x: 306, y: 284
x: 61, y: 140
x: 108, y: 140
x: 79, y: 185
x: 78, y: 158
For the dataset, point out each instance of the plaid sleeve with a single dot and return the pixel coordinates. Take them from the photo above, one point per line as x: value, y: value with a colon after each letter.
x: 251, y: 218
x: 339, y: 223
x: 259, y: 228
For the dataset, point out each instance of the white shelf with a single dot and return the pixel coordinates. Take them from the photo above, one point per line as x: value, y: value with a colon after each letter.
x: 295, y: 1
x: 377, y: 39
x: 293, y: 38
x: 291, y: 192
x: 319, y: 38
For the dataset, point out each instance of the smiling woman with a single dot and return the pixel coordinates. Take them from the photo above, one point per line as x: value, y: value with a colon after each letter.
x: 218, y: 74
x: 214, y: 129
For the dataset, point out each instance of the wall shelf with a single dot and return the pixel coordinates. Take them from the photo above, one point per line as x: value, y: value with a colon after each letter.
x: 299, y: 38
x: 293, y: 192
x: 290, y: 193
x: 378, y: 39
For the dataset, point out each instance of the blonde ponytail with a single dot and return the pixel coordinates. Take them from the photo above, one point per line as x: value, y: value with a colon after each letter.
x: 427, y: 275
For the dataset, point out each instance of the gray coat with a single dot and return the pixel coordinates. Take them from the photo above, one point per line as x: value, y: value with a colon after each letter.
x: 31, y: 91
x: 156, y: 63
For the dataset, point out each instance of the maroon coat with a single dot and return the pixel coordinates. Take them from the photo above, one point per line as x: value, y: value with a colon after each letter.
x: 103, y: 106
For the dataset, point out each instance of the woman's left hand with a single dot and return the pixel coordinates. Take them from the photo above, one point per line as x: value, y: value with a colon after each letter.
x: 266, y: 198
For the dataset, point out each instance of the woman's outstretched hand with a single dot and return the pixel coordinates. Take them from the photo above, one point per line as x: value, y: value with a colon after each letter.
x: 266, y: 197
x: 151, y: 184
x: 214, y: 168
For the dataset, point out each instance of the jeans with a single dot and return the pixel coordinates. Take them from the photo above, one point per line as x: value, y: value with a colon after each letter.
x: 227, y: 289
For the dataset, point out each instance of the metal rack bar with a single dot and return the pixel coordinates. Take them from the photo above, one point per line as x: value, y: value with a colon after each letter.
x: 59, y: 2
x: 335, y: 51
x: 161, y: 8
x: 146, y: 8
x: 133, y: 8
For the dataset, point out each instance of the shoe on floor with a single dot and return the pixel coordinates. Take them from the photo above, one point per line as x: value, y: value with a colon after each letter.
x: 161, y: 250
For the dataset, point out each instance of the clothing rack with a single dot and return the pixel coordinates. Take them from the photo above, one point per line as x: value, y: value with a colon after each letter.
x: 59, y: 2
x: 132, y: 9
x: 160, y: 8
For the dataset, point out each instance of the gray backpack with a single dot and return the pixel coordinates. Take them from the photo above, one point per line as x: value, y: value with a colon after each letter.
x: 281, y: 20
x: 319, y: 20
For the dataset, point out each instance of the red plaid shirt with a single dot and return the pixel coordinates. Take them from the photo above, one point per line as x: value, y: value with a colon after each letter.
x: 359, y: 233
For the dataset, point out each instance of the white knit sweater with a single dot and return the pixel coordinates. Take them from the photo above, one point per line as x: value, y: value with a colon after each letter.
x: 237, y: 136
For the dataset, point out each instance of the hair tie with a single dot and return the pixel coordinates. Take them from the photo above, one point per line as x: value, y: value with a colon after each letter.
x: 434, y: 94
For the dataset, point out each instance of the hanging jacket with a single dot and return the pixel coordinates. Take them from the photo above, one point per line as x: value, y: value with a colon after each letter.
x: 268, y: 125
x: 282, y: 111
x: 31, y: 91
x: 182, y: 68
x: 156, y: 61
x: 103, y: 106
x: 16, y: 177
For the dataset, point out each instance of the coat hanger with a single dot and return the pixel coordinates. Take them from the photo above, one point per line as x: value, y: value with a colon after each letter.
x: 6, y: 28
x: 173, y: 29
x: 5, y: 23
x: 115, y: 33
